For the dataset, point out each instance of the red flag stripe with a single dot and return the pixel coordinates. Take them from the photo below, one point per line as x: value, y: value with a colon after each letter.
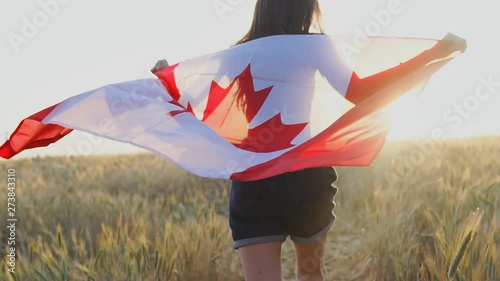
x: 167, y: 76
x: 31, y: 133
x: 345, y: 149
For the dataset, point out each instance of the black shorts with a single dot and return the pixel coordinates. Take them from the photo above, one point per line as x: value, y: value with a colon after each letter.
x: 299, y: 204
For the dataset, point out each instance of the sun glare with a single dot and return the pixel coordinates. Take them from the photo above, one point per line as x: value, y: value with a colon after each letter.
x: 403, y: 115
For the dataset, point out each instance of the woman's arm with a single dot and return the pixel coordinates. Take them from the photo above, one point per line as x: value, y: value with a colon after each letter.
x: 360, y: 89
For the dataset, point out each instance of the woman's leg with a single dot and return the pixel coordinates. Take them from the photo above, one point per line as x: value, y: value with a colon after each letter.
x: 310, y: 259
x: 261, y: 262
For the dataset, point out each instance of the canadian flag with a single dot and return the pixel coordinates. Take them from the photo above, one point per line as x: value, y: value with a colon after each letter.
x: 258, y: 109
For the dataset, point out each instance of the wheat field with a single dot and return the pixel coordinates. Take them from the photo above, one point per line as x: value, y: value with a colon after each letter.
x: 425, y: 210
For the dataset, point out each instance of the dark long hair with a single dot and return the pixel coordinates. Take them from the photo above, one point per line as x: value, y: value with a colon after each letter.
x: 275, y: 17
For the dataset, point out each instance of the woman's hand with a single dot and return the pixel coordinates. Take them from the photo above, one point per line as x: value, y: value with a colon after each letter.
x: 450, y: 44
x: 360, y: 89
x: 159, y: 65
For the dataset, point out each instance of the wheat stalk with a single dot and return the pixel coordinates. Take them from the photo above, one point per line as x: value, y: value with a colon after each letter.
x: 459, y: 256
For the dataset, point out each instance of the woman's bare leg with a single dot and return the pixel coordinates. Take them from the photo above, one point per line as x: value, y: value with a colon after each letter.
x: 261, y: 262
x: 310, y: 260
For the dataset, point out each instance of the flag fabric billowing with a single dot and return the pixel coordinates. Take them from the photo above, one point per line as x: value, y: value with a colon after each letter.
x: 258, y: 109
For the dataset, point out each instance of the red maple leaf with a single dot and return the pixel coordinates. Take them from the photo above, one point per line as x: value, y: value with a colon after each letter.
x: 173, y: 113
x: 230, y: 110
x: 271, y: 135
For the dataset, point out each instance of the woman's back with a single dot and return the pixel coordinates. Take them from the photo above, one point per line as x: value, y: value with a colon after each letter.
x: 264, y: 212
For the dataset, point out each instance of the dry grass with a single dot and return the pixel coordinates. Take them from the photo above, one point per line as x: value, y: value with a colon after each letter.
x: 137, y: 217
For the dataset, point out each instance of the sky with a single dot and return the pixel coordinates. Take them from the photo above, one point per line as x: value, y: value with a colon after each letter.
x: 53, y: 49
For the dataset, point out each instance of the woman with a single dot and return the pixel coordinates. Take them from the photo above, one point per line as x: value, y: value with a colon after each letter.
x: 299, y: 204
